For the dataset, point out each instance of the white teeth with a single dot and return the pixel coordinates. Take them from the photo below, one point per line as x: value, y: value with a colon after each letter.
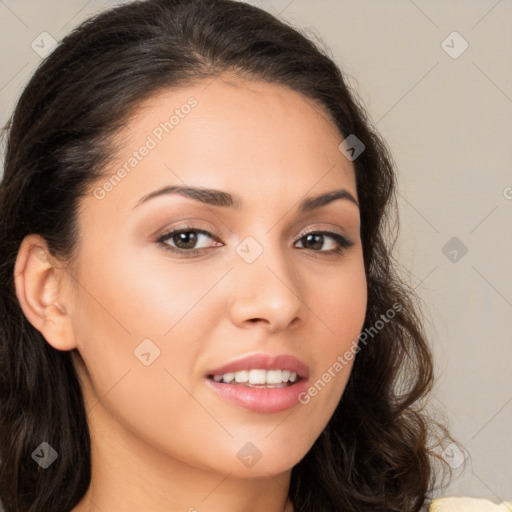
x: 228, y: 377
x: 274, y: 377
x: 257, y: 377
x: 242, y: 376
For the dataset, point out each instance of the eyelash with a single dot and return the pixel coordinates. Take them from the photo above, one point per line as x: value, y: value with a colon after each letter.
x: 342, y: 241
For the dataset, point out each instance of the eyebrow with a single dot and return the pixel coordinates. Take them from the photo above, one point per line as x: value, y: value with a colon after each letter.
x: 226, y: 200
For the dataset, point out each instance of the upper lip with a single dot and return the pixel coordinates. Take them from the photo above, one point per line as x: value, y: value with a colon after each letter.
x: 264, y: 362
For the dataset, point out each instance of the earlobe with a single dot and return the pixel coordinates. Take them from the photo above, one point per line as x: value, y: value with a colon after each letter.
x: 37, y: 281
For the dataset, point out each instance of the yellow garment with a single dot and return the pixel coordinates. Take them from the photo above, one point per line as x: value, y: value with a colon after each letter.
x: 468, y: 505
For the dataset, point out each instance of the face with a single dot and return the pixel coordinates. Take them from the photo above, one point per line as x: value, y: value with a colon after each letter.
x: 171, y: 288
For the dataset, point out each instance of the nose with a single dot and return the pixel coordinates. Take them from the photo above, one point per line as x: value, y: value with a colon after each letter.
x: 267, y: 292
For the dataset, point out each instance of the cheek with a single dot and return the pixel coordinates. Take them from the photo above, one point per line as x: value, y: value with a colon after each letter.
x: 145, y: 323
x: 140, y: 334
x: 341, y: 310
x: 135, y: 372
x: 134, y: 296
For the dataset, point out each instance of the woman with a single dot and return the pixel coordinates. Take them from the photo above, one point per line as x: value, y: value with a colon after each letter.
x: 199, y: 306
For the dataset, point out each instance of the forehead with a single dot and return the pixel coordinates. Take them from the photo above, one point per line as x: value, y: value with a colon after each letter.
x: 253, y: 138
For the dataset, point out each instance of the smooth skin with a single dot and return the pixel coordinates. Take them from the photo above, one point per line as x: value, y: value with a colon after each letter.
x: 162, y: 440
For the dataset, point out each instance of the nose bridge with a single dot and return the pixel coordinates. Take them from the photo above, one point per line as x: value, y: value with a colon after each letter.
x: 267, y: 283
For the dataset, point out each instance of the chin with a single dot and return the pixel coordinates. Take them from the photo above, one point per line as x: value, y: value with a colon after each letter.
x: 269, y: 460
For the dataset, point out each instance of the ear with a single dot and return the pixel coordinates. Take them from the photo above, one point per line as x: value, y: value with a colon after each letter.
x: 38, y: 283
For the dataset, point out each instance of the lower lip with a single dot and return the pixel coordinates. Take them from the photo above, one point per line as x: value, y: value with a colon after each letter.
x: 261, y: 400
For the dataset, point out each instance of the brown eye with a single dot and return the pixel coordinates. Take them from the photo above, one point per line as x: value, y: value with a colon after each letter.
x: 316, y: 240
x: 183, y: 240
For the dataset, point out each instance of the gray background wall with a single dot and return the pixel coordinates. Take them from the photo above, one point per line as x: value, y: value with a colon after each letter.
x: 446, y: 112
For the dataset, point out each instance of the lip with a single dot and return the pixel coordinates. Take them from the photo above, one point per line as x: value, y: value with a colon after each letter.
x: 261, y: 400
x: 264, y: 362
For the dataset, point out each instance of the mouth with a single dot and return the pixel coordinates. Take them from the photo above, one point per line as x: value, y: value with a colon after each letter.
x: 258, y: 378
x: 261, y: 383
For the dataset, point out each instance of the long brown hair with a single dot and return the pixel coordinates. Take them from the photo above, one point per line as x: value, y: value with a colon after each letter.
x: 374, y: 453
